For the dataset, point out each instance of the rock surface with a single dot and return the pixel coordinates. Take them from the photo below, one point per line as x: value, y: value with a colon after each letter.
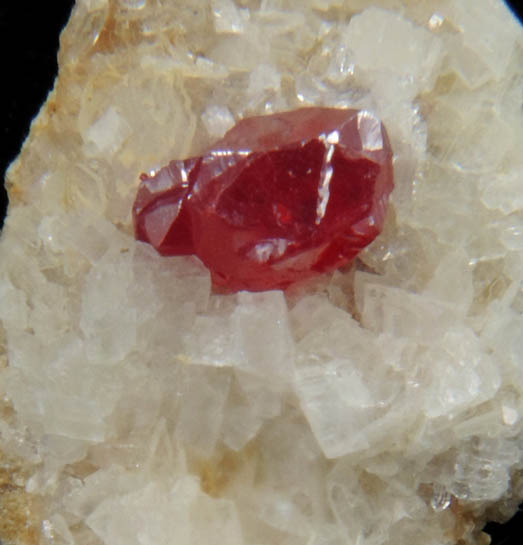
x: 377, y: 406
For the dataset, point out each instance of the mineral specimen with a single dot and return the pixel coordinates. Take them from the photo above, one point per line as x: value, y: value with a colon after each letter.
x: 278, y: 199
x: 381, y: 404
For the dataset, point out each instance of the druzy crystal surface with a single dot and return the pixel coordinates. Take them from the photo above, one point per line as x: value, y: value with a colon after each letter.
x: 381, y: 404
x: 280, y: 198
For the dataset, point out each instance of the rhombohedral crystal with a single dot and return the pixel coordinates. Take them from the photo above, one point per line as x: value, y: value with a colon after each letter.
x: 280, y: 198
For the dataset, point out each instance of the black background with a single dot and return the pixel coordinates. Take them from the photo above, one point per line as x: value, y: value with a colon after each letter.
x: 29, y: 42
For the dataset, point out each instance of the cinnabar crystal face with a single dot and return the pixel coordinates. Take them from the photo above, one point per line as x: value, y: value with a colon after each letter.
x: 279, y: 199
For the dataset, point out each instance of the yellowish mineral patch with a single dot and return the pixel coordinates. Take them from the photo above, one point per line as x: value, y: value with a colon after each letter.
x: 20, y: 513
x: 218, y: 473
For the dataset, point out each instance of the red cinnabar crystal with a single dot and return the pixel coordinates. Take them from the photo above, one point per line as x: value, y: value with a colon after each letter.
x: 279, y: 198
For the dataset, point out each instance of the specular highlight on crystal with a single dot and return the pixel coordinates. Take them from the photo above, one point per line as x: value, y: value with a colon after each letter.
x: 279, y: 199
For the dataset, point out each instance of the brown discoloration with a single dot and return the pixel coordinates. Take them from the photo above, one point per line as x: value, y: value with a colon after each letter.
x: 490, y: 283
x: 3, y: 347
x: 80, y: 470
x: 465, y: 521
x: 106, y: 40
x: 18, y: 523
x: 372, y: 485
x: 52, y: 108
x: 445, y: 84
x: 496, y: 289
x: 116, y: 32
x: 16, y: 194
x: 217, y: 473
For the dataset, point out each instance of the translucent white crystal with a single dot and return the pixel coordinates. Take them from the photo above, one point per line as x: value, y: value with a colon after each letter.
x: 341, y: 64
x: 142, y: 517
x: 441, y: 499
x: 258, y: 317
x: 217, y: 120
x: 481, y: 475
x: 493, y: 47
x: 227, y: 17
x: 241, y: 424
x: 107, y: 134
x: 162, y: 512
x: 202, y: 400
x: 238, y: 339
x: 341, y: 391
x: 110, y: 331
x: 503, y: 191
x: 386, y: 309
x: 383, y: 40
x: 461, y: 376
x: 263, y: 80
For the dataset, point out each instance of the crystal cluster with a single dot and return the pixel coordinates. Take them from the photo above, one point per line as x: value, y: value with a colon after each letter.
x: 279, y: 199
x: 377, y: 404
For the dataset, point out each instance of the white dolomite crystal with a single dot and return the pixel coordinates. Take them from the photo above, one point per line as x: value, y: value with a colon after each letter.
x: 378, y: 405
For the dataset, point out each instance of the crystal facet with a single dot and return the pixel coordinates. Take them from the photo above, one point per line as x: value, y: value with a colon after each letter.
x: 279, y: 199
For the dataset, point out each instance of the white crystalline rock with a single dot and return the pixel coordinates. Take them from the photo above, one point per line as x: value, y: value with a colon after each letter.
x: 232, y: 339
x: 265, y: 312
x: 107, y: 133
x: 479, y: 473
x: 159, y: 514
x: 109, y: 331
x: 367, y: 504
x: 492, y: 49
x: 264, y: 85
x: 337, y: 46
x: 381, y: 404
x: 227, y: 17
x: 387, y: 42
x: 341, y: 391
x: 242, y: 421
x: 202, y: 398
x: 217, y: 120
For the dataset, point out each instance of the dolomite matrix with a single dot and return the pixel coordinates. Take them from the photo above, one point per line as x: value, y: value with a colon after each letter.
x: 280, y: 198
x: 375, y: 405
